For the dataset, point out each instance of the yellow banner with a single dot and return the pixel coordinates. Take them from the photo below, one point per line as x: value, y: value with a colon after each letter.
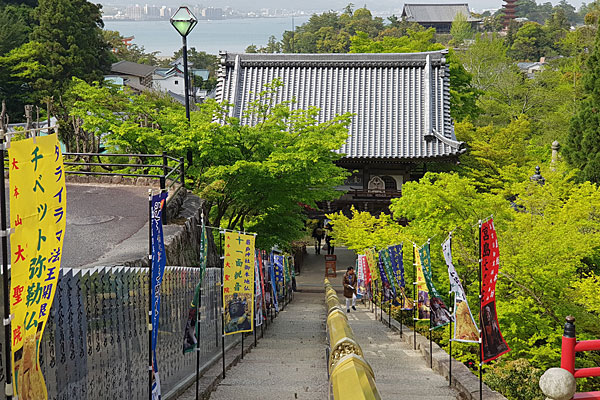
x: 238, y: 283
x: 38, y: 199
x: 422, y: 291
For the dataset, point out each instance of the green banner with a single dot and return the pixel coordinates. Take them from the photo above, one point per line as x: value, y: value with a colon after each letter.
x: 439, y: 314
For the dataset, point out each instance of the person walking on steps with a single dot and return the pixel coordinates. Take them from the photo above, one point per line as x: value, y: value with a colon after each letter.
x: 330, y: 247
x: 318, y: 234
x: 349, y: 283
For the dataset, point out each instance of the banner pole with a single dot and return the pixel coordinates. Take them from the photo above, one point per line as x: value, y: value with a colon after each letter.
x: 242, y: 333
x: 198, y: 338
x: 430, y: 322
x: 480, y: 326
x: 415, y: 303
x: 450, y: 325
x: 150, y: 294
x: 216, y: 292
x: 401, y: 320
x: 5, y: 257
x: 390, y: 315
x: 222, y: 261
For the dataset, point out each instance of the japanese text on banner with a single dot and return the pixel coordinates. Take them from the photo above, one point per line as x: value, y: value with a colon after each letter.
x: 38, y: 201
x: 238, y: 285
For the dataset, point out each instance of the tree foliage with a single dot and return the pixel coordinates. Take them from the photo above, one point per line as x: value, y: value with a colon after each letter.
x: 582, y: 148
x: 255, y: 178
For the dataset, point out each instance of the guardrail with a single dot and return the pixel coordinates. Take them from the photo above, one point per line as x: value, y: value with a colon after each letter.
x: 350, y: 376
x: 170, y: 168
x: 559, y: 383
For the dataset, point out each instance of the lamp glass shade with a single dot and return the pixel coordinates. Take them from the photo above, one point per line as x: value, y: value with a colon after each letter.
x: 183, y: 21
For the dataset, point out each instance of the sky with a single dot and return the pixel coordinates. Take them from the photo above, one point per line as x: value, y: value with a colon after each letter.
x: 375, y: 5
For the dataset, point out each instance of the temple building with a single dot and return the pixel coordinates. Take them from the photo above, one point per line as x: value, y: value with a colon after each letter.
x: 400, y: 105
x: 438, y: 16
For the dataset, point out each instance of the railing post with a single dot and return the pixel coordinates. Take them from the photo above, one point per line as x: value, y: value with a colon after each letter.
x: 569, y: 340
x: 181, y: 171
x: 163, y: 183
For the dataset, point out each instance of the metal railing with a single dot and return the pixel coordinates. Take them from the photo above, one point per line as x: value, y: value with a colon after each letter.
x: 350, y: 376
x: 160, y: 166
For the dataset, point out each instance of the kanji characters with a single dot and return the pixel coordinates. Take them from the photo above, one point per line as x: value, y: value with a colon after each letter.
x: 37, y: 266
x: 19, y: 254
x: 14, y: 163
x: 34, y: 294
x: 18, y: 294
x: 17, y: 335
x: 54, y: 255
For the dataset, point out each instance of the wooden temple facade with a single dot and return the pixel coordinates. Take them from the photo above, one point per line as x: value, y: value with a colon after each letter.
x: 400, y: 105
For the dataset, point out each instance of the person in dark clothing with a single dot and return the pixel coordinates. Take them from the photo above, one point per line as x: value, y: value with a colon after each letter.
x: 330, y: 247
x: 318, y: 234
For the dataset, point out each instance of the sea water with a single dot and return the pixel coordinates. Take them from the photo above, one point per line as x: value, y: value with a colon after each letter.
x: 232, y: 35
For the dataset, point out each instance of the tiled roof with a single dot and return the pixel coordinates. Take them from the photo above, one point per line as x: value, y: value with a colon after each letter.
x: 400, y: 102
x: 424, y: 13
x: 131, y: 68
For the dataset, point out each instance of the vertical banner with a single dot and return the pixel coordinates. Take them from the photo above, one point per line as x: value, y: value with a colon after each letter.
x: 192, y: 326
x: 273, y: 279
x: 38, y: 204
x: 389, y: 272
x: 372, y: 264
x: 387, y: 288
x: 465, y: 329
x: 158, y: 269
x: 238, y: 286
x: 258, y: 291
x: 493, y: 344
x: 422, y: 292
x: 361, y: 289
x: 398, y: 270
x: 440, y: 315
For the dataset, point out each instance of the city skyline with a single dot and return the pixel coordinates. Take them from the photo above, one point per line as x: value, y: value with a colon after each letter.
x: 312, y: 5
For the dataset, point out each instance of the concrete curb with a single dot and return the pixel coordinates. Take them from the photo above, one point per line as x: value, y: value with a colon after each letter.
x: 463, y: 380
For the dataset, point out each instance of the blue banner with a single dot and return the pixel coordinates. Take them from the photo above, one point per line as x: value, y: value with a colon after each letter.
x: 388, y: 291
x: 279, y: 266
x: 397, y: 264
x: 273, y: 282
x: 157, y: 271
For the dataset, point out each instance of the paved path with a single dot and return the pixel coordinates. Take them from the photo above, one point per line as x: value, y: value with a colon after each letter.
x: 400, y: 371
x: 289, y: 362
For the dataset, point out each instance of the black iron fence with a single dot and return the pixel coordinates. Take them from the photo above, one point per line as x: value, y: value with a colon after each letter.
x: 95, y: 343
x: 168, y: 170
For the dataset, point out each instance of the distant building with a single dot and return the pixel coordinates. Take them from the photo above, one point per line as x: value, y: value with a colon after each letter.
x: 438, y: 16
x: 170, y: 80
x: 212, y: 13
x: 136, y: 76
x: 400, y: 105
x: 532, y: 68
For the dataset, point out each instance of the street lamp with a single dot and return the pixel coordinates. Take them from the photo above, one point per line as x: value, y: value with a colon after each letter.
x: 184, y: 21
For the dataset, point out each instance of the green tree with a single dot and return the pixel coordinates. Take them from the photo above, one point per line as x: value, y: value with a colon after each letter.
x: 582, y: 149
x: 131, y: 52
x: 70, y: 34
x: 461, y: 29
x: 463, y: 96
x: 252, y: 177
x: 530, y: 43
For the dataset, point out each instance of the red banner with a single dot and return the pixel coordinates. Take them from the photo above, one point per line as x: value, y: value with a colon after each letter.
x: 493, y: 344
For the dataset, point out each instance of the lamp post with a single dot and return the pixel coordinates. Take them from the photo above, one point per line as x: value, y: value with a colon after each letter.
x: 184, y: 21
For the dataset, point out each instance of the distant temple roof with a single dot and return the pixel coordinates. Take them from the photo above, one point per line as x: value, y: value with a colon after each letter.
x: 432, y: 13
x: 400, y: 102
x: 131, y: 68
